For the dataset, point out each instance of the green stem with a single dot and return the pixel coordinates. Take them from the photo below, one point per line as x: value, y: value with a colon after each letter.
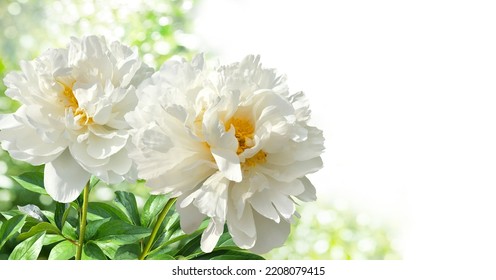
x: 159, y: 221
x: 82, y: 222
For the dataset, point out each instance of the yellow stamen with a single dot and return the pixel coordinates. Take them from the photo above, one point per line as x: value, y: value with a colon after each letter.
x: 71, y: 102
x: 244, y: 131
x: 258, y: 158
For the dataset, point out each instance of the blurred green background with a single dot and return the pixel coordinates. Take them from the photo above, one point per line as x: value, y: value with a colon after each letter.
x: 160, y: 29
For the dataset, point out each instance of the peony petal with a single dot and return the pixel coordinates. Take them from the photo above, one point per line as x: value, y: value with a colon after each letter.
x: 294, y: 187
x: 293, y: 171
x: 269, y: 234
x: 8, y: 121
x: 228, y: 163
x: 24, y: 144
x: 101, y: 148
x: 102, y: 116
x: 262, y: 203
x: 110, y: 177
x: 191, y: 218
x: 211, y: 198
x: 239, y: 193
x: 239, y: 228
x: 310, y: 193
x: 65, y: 178
x: 243, y: 223
x: 78, y: 150
x: 120, y: 163
x: 153, y: 138
x: 211, y: 235
x: 284, y: 205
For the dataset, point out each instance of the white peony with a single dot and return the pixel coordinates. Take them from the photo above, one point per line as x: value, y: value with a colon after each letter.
x: 72, y: 114
x: 232, y: 144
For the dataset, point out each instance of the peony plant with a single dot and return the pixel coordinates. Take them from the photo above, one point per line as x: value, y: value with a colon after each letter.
x: 72, y: 115
x: 225, y: 151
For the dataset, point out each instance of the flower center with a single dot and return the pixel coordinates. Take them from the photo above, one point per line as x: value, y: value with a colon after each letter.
x: 244, y: 131
x: 71, y: 102
x: 258, y: 158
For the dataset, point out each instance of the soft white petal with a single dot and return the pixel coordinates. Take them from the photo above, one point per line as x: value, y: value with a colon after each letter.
x: 24, y: 144
x: 65, y: 178
x: 262, y: 203
x: 310, y: 193
x: 270, y: 234
x: 284, y: 205
x: 228, y: 163
x: 100, y: 148
x: 191, y: 218
x: 103, y: 114
x: 242, y: 228
x: 211, y: 235
x: 239, y: 193
x: 293, y: 171
x: 8, y: 121
x: 294, y: 187
x: 175, y: 181
x: 211, y: 197
x: 153, y: 138
x: 120, y: 163
x: 79, y: 151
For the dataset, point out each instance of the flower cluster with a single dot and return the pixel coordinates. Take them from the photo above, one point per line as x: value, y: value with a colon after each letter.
x: 231, y: 142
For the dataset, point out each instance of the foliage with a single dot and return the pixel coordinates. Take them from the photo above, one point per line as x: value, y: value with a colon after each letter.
x: 115, y: 231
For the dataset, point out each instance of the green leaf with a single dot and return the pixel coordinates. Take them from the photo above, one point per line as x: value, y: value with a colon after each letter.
x: 49, y: 216
x: 168, y: 230
x: 228, y: 255
x: 191, y: 247
x: 176, y: 236
x: 69, y: 232
x: 61, y: 213
x: 41, y: 227
x: 226, y: 242
x: 119, y: 232
x: 92, y: 252
x: 31, y: 181
x: 162, y: 256
x: 11, y: 213
x: 63, y: 251
x: 93, y: 181
x: 108, y: 248
x: 98, y: 210
x: 128, y: 252
x: 10, y: 227
x: 173, y: 221
x: 29, y: 249
x: 92, y: 227
x: 245, y: 256
x: 52, y: 238
x: 152, y: 208
x: 128, y: 200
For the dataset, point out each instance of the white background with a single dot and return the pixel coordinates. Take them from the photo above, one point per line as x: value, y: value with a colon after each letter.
x: 406, y: 94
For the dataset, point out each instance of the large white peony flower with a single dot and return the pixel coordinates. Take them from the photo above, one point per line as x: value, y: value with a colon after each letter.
x: 72, y: 114
x: 232, y: 144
